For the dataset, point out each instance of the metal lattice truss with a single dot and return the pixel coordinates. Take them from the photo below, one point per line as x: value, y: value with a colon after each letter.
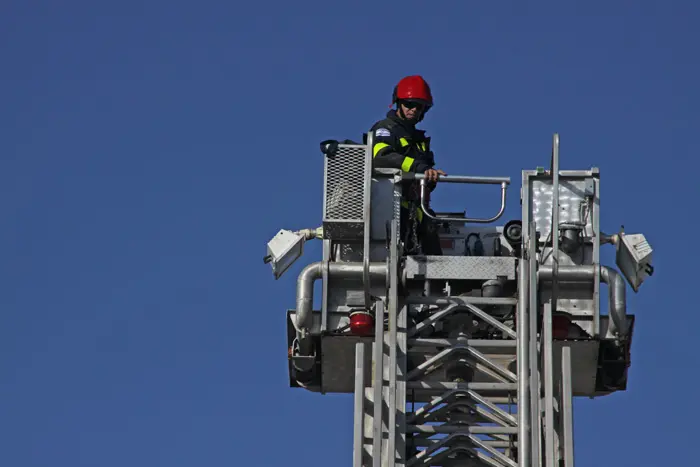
x: 463, y: 412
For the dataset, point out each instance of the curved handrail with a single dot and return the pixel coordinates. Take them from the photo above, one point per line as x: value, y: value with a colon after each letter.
x: 503, y: 181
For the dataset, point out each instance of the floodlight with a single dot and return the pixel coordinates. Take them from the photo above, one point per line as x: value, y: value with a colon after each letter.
x: 286, y: 247
x: 283, y: 250
x: 634, y: 258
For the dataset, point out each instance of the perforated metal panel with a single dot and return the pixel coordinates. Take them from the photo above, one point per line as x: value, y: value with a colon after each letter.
x: 574, y: 205
x: 460, y: 267
x: 345, y: 193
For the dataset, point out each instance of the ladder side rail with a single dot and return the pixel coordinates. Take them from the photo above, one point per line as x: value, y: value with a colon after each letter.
x: 534, y: 313
x: 397, y: 396
x: 547, y: 370
x: 359, y: 419
x: 595, y: 332
x: 523, y: 360
x: 377, y: 422
x: 567, y: 408
x: 530, y: 250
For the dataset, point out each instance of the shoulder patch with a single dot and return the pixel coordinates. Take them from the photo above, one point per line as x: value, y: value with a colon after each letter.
x: 382, y: 132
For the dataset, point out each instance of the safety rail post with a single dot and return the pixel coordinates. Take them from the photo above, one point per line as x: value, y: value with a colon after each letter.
x: 554, y: 231
x: 366, y: 213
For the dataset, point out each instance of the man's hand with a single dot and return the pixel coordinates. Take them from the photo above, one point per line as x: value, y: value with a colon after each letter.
x: 431, y: 175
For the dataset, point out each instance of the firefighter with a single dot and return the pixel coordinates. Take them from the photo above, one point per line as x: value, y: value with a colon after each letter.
x: 399, y: 144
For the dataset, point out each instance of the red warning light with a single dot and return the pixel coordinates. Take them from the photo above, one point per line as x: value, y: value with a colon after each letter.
x: 361, y: 324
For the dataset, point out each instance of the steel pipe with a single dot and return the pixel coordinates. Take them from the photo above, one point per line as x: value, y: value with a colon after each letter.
x: 312, y: 272
x: 426, y: 211
x: 459, y: 179
x: 617, y: 298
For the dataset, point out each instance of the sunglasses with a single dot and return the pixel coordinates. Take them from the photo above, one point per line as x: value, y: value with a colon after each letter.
x: 412, y: 104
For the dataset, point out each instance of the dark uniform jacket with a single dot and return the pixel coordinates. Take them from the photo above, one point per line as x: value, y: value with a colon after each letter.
x: 397, y: 144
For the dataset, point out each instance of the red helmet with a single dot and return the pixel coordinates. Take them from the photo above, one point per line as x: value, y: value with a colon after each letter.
x: 413, y: 88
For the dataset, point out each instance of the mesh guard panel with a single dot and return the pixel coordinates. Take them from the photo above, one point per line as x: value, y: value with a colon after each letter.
x: 345, y: 193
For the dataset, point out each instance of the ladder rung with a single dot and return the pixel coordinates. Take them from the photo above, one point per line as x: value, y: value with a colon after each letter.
x: 415, y: 300
x: 424, y: 443
x: 477, y: 387
x: 477, y: 343
x: 474, y: 430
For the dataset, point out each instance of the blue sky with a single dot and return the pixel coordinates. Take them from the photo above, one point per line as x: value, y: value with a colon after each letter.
x: 149, y: 151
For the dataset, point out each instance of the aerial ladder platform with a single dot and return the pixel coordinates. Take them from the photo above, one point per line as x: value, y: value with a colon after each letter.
x: 470, y: 358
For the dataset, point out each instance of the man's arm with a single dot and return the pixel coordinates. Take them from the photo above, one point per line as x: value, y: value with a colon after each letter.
x: 386, y: 154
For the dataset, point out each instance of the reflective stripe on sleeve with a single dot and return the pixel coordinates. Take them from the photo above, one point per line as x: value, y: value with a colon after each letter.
x: 378, y: 147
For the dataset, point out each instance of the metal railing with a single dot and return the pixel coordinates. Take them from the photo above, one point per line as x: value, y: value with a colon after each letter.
x: 503, y: 181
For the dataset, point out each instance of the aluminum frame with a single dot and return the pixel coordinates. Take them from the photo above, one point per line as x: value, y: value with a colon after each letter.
x: 526, y: 362
x: 544, y: 436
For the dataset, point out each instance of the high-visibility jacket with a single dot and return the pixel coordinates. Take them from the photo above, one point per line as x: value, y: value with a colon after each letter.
x: 397, y: 144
